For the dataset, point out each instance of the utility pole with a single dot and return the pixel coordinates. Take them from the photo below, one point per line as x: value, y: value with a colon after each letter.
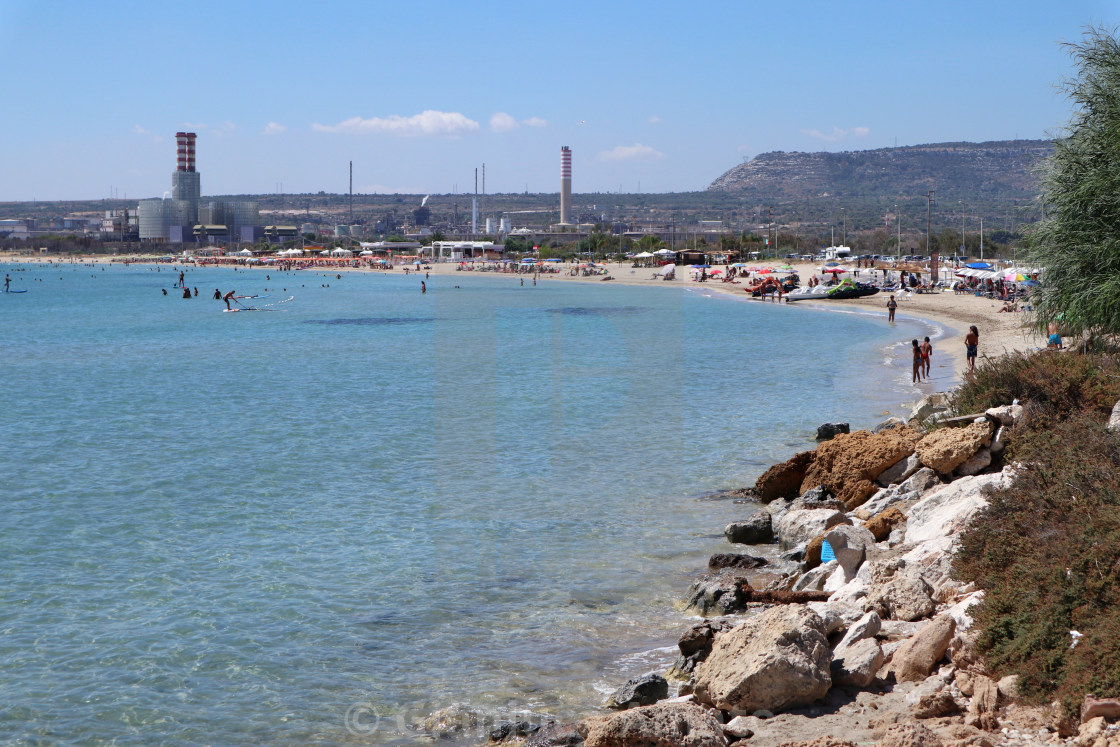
x: 898, y: 219
x: 929, y: 202
x: 351, y: 192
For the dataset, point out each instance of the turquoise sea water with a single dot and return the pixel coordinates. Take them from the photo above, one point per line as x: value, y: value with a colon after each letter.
x: 318, y: 524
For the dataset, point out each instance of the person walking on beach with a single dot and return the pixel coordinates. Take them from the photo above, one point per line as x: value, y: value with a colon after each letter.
x: 971, y: 342
x: 927, y: 350
x: 916, y: 377
x: 891, y: 306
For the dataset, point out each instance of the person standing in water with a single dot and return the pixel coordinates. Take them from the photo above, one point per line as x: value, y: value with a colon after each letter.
x: 927, y: 350
x: 891, y: 306
x: 971, y: 342
x: 916, y: 377
x: 423, y: 287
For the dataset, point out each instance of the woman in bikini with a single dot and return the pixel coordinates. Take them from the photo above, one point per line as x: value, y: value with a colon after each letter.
x: 917, y: 375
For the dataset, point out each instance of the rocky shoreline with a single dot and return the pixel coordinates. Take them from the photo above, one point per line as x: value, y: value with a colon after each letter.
x: 856, y: 633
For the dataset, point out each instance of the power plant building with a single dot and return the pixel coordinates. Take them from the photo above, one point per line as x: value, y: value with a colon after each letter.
x: 183, y: 217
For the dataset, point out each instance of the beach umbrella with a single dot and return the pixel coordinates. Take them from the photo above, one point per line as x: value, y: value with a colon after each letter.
x: 979, y: 265
x: 765, y: 271
x: 717, y: 272
x: 834, y: 270
x: 664, y: 251
x: 1030, y: 283
x: 831, y: 264
x: 738, y: 264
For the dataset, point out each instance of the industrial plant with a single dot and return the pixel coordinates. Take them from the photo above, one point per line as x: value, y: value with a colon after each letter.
x: 184, y: 218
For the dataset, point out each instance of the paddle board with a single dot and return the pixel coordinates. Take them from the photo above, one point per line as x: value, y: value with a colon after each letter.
x: 16, y: 291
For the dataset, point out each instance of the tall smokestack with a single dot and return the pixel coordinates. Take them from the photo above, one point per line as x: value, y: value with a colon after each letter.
x: 185, y: 146
x: 565, y: 185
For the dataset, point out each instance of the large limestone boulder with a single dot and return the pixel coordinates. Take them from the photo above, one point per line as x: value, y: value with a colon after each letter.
x: 801, y: 525
x: 949, y: 509
x: 930, y: 405
x: 849, y: 546
x: 866, y: 627
x: 948, y: 448
x: 897, y: 591
x: 919, y: 656
x: 976, y: 463
x: 899, y: 471
x: 848, y: 464
x: 777, y: 660
x: 784, y: 480
x: 857, y: 664
x: 664, y: 725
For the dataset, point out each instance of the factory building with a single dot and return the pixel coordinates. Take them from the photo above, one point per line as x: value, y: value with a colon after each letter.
x: 184, y: 218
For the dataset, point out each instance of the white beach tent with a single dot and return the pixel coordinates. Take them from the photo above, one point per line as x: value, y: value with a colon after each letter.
x: 643, y: 255
x: 246, y: 253
x: 664, y: 251
x: 667, y: 269
x: 340, y: 252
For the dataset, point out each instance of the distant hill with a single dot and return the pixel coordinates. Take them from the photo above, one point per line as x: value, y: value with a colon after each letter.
x: 994, y: 172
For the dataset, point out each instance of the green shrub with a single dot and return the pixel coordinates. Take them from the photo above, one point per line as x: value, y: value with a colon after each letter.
x: 1047, y: 552
x: 1052, y: 385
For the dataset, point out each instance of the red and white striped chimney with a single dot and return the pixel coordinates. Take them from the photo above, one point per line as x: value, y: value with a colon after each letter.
x: 565, y: 185
x: 185, y: 143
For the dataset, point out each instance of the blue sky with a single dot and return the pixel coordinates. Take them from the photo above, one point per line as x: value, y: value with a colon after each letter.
x: 651, y: 96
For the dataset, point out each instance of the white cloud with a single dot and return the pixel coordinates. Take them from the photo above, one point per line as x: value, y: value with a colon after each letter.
x: 634, y: 152
x: 655, y: 119
x: 137, y: 129
x: 426, y: 124
x: 502, y: 122
x: 837, y: 134
x: 274, y: 128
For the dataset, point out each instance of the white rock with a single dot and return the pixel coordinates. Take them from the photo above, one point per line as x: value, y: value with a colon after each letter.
x: 850, y: 593
x: 899, y: 471
x: 977, y: 463
x: 867, y: 626
x: 814, y: 580
x: 836, y: 580
x: 1001, y: 414
x: 999, y: 440
x: 949, y: 509
x: 801, y: 525
x: 1114, y: 419
x: 960, y: 611
x: 741, y: 727
x: 929, y: 405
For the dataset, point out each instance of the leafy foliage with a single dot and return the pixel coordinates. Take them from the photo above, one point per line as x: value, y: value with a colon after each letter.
x: 1053, y: 386
x: 1077, y: 241
x: 1046, y: 551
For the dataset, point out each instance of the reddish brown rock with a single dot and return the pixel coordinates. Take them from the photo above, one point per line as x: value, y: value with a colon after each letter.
x: 881, y: 524
x: 919, y: 656
x: 948, y: 448
x: 1092, y: 707
x: 848, y: 464
x: 784, y: 480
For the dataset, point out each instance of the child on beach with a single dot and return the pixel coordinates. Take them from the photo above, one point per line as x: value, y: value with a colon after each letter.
x: 971, y: 342
x: 916, y: 378
x: 891, y: 306
x: 927, y: 351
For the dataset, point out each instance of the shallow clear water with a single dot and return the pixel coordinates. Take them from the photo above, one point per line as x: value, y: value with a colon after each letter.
x: 230, y: 527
